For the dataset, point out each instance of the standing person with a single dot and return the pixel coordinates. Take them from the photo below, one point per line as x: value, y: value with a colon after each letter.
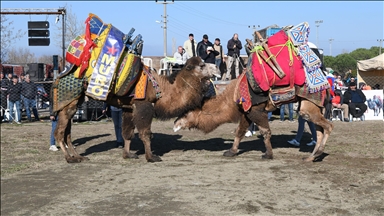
x: 300, y: 131
x: 290, y: 112
x: 28, y: 92
x: 22, y: 78
x: 117, y: 118
x: 190, y: 46
x: 234, y: 46
x: 180, y: 57
x: 9, y: 78
x: 355, y: 98
x: 54, y: 118
x: 206, y: 51
x: 14, y: 97
x: 219, y: 58
x: 4, y: 87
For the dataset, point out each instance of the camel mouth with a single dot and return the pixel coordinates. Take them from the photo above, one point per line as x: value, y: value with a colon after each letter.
x: 176, y: 128
x: 217, y: 75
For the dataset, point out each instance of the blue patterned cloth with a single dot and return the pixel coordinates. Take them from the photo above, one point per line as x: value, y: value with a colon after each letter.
x: 299, y: 34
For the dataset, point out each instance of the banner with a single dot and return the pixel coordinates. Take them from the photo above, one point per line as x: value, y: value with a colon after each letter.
x: 374, y: 104
x: 103, y: 73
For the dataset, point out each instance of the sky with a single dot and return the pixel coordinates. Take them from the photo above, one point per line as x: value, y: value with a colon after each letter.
x: 346, y: 25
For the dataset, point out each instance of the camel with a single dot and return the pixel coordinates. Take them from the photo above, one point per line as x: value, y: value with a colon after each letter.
x: 180, y: 92
x: 209, y: 117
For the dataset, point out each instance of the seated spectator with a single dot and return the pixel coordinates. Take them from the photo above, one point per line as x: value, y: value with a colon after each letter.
x: 337, y: 103
x: 364, y: 86
x: 355, y: 98
x: 180, y: 57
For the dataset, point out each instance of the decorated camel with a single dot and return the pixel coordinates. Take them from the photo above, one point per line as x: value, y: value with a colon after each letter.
x: 114, y: 73
x: 260, y: 89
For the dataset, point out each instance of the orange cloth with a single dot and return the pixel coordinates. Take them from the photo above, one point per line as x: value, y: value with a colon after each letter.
x: 336, y: 99
x: 367, y: 87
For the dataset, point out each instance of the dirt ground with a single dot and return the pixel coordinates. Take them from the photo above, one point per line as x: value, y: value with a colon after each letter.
x: 193, y: 178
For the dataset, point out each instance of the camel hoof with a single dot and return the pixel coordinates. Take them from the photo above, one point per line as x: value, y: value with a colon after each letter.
x: 266, y: 156
x: 308, y: 159
x: 130, y: 155
x: 154, y: 158
x: 73, y: 159
x: 229, y: 153
x: 84, y: 158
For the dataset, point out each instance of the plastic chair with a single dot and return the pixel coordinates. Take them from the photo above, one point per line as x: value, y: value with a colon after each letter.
x: 338, y: 110
x: 165, y: 65
x: 148, y: 62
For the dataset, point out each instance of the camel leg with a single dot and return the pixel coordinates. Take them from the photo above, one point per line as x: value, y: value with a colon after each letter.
x: 143, y: 112
x: 240, y: 132
x: 63, y: 133
x: 311, y: 112
x: 128, y: 129
x: 260, y: 118
x: 71, y: 149
x: 59, y: 134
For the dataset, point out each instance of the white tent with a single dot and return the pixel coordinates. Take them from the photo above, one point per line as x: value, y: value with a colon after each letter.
x: 371, y: 71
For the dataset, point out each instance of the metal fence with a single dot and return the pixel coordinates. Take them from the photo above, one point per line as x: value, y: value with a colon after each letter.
x: 90, y: 110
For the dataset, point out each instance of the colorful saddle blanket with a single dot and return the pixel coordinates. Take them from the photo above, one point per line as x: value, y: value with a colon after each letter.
x: 65, y: 90
x: 282, y: 48
x: 110, y: 59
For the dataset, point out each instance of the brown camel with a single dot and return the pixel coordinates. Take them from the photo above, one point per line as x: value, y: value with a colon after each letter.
x: 209, y: 117
x: 180, y: 92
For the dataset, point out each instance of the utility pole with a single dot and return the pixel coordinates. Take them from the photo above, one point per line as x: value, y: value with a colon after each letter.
x: 165, y: 23
x: 330, y: 46
x: 381, y: 42
x: 317, y: 31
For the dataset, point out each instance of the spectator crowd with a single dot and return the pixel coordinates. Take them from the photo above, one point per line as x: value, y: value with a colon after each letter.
x: 18, y: 94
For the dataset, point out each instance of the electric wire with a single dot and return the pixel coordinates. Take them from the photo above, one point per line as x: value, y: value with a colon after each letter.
x: 191, y: 10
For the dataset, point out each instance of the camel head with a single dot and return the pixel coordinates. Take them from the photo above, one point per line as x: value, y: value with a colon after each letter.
x: 180, y: 123
x: 185, y: 121
x: 203, y: 69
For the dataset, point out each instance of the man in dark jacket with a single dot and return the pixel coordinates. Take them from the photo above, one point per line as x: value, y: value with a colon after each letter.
x: 29, y: 91
x: 234, y: 46
x: 4, y: 87
x: 14, y: 92
x: 355, y: 98
x: 206, y: 51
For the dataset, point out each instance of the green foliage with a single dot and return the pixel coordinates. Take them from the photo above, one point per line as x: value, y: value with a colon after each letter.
x: 343, y: 62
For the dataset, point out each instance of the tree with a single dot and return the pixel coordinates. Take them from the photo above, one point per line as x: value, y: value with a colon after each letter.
x: 8, y: 37
x: 20, y: 55
x: 46, y: 59
x: 362, y: 54
x: 344, y: 62
x: 73, y: 28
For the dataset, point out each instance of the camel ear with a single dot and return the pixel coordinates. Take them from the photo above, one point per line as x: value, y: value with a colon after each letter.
x: 190, y: 67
